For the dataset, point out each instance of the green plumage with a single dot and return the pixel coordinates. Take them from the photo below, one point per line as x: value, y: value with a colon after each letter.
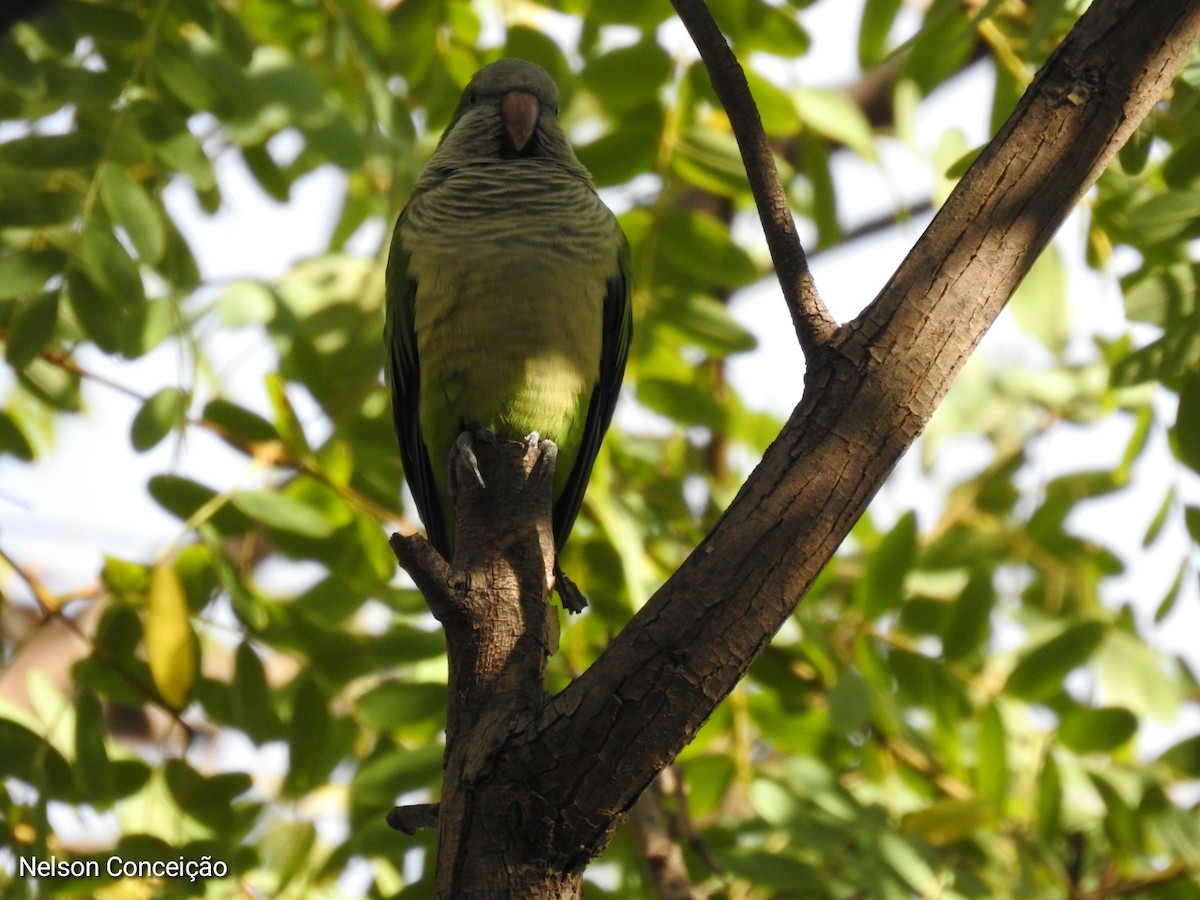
x: 507, y: 296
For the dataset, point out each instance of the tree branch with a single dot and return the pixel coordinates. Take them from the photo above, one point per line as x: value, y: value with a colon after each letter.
x: 812, y: 321
x: 493, y: 609
x: 602, y: 739
x: 410, y: 819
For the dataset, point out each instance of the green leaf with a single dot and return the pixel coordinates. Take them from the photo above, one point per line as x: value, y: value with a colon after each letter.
x: 124, y: 578
x: 969, y: 623
x: 1039, y: 303
x: 850, y: 703
x: 1121, y: 820
x: 1136, y: 151
x: 31, y: 330
x: 282, y: 512
x: 184, y: 76
x: 185, y: 498
x: 945, y: 822
x: 1097, y: 730
x: 1164, y: 217
x: 1039, y: 673
x: 100, y: 314
x: 1172, y: 596
x: 281, y: 82
x: 630, y: 76
x: 776, y: 107
x: 1049, y: 796
x: 685, y: 403
x: 246, y: 303
x: 50, y: 151
x: 287, y: 423
x: 1136, y: 676
x: 710, y: 160
x: 397, y: 704
x: 52, y: 384
x: 158, y: 417
x: 906, y: 860
x: 1161, y: 295
x: 250, y: 697
x: 26, y: 272
x: 18, y: 73
x: 13, y: 440
x: 379, y: 781
x: 1184, y: 757
x: 1186, y: 432
x: 877, y: 20
x: 702, y: 248
x: 1175, y: 353
x: 95, y: 777
x: 881, y: 589
x: 1181, y: 169
x: 167, y: 132
x: 764, y: 27
x: 147, y: 326
x: 239, y: 422
x: 706, y: 322
x: 271, y: 177
x: 834, y: 115
x: 627, y: 150
x: 315, y: 739
x: 207, y: 798
x: 774, y: 870
x: 31, y: 758
x: 992, y: 775
x: 110, y: 267
x: 37, y: 208
x: 133, y: 209
x: 942, y: 46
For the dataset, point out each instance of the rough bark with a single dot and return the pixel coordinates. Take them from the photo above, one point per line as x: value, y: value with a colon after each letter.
x: 534, y: 786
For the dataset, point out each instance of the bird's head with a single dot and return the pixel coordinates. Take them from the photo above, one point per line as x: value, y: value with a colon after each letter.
x: 508, y: 110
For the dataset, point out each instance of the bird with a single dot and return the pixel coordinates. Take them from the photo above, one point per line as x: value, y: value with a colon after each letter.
x: 508, y: 300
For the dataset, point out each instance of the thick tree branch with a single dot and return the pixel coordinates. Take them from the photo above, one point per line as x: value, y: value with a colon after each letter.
x: 493, y: 609
x: 599, y: 743
x: 812, y: 321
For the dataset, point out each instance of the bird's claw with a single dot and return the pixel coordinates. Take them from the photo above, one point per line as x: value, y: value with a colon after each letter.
x: 464, y: 446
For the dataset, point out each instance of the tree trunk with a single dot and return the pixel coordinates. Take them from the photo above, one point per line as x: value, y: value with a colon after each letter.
x: 535, y: 787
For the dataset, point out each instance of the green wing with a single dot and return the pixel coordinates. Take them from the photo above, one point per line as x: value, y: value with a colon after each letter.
x: 618, y: 327
x: 404, y: 378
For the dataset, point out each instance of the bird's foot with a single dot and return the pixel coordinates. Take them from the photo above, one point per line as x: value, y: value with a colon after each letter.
x: 572, y: 598
x: 464, y: 448
x: 547, y: 454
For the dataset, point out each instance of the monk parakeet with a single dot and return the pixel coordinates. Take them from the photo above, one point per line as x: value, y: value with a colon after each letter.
x: 508, y: 303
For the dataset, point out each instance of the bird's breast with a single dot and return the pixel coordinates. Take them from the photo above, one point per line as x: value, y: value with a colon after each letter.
x: 511, y: 280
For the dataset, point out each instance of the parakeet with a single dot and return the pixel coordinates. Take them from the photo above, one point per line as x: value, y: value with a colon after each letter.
x: 508, y: 296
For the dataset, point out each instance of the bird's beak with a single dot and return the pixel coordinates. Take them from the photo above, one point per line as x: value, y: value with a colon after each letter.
x: 520, y: 110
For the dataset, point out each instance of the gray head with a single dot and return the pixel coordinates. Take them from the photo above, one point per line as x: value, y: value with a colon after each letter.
x: 508, y: 110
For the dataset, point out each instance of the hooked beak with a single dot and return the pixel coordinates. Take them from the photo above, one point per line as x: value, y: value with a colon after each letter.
x: 520, y: 110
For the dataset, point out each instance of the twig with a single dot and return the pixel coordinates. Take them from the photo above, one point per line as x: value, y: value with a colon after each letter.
x: 411, y: 818
x: 665, y: 865
x: 812, y: 321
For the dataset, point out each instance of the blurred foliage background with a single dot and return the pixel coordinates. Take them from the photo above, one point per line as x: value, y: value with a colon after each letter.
x: 977, y: 699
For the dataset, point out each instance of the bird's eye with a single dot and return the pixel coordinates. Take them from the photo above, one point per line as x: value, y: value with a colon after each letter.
x: 471, y: 98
